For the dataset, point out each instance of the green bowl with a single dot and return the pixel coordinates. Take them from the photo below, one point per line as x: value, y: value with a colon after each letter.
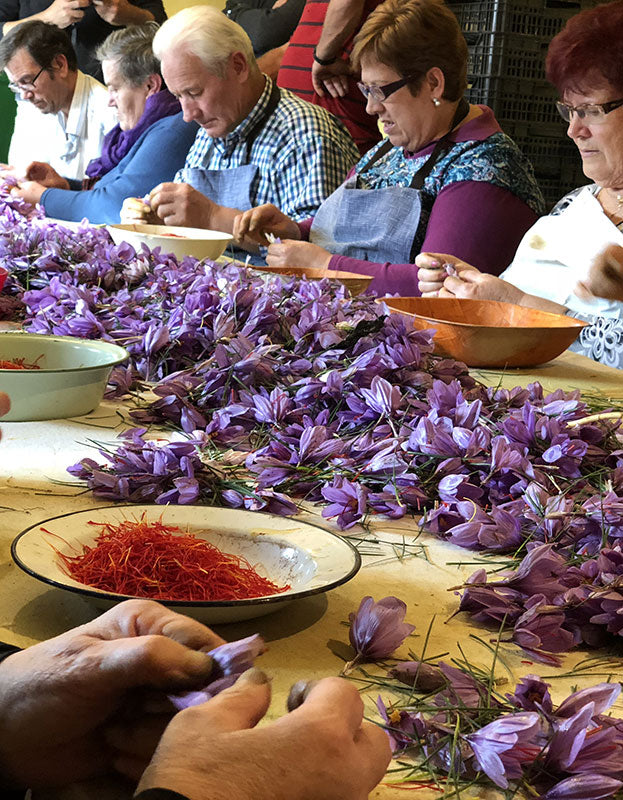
x: 71, y: 379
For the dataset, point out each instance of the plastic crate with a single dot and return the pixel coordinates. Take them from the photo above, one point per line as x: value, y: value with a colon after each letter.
x: 553, y: 189
x: 550, y: 155
x: 506, y: 55
x: 518, y: 101
x: 541, y: 18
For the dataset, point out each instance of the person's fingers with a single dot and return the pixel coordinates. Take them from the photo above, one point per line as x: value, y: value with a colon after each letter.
x: 583, y: 292
x: 334, y: 697
x: 374, y: 751
x: 5, y: 403
x: 137, y: 738
x: 429, y: 289
x: 431, y: 275
x: 430, y: 293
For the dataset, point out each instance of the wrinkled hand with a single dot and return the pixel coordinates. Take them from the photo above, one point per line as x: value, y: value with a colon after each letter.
x: 434, y: 268
x: 251, y: 226
x: 46, y: 175
x: 333, y: 79
x: 323, y: 749
x: 289, y: 253
x: 442, y: 275
x: 180, y: 204
x: 57, y: 697
x: 30, y: 191
x: 136, y: 210
x: 64, y: 13
x: 605, y: 276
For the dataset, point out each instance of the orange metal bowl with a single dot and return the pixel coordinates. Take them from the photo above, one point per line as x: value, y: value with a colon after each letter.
x: 356, y: 284
x: 486, y: 333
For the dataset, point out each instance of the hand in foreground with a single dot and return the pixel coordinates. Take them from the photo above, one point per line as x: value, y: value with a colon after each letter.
x: 56, y: 697
x: 332, y: 80
x: 433, y: 270
x: 64, y: 13
x: 323, y: 749
x: 46, y: 175
x: 251, y: 226
x: 605, y: 276
x: 30, y: 191
x: 290, y: 253
x: 180, y: 204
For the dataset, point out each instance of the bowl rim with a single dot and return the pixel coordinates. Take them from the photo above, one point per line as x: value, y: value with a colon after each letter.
x: 111, y: 596
x: 131, y: 227
x: 570, y: 322
x: 100, y: 344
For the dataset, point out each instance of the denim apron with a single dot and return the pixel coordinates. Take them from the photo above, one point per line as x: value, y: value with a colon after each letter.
x: 231, y: 187
x: 378, y: 224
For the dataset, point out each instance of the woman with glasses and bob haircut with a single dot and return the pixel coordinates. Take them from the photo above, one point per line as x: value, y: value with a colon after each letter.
x: 444, y: 178
x: 575, y: 253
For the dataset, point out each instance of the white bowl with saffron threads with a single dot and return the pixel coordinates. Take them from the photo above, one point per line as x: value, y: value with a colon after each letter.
x: 181, y: 241
x: 54, y: 377
x: 308, y: 559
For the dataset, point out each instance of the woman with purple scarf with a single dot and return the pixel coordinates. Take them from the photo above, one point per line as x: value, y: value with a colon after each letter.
x: 147, y: 146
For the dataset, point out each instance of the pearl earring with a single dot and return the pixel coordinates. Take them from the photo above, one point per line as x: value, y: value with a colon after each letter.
x: 436, y: 102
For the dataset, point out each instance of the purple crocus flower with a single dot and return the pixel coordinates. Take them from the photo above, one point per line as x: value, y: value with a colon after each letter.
x: 403, y: 729
x: 377, y: 629
x: 503, y: 746
x: 347, y: 502
x: 602, y: 696
x: 419, y: 674
x: 532, y: 694
x: 584, y: 787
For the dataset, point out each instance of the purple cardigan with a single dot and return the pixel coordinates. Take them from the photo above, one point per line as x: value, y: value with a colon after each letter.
x: 493, y: 222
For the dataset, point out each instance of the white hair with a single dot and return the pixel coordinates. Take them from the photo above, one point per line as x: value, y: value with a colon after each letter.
x: 208, y: 34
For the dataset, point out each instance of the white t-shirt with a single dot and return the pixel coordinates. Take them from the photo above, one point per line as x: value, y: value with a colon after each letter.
x: 559, y: 248
x: 67, y: 145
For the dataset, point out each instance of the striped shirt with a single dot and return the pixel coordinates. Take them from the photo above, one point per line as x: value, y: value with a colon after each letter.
x: 302, y: 153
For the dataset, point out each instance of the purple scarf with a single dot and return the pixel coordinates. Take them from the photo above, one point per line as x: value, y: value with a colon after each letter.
x: 117, y: 143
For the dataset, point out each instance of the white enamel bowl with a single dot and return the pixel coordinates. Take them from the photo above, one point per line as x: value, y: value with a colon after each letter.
x: 308, y: 558
x: 195, y: 242
x: 71, y: 379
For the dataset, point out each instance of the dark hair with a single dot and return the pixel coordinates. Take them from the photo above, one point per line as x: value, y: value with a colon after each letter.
x: 589, y: 50
x: 131, y: 49
x: 42, y: 41
x: 411, y: 37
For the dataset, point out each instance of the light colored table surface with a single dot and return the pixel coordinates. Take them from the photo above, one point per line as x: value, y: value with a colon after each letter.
x: 34, y: 455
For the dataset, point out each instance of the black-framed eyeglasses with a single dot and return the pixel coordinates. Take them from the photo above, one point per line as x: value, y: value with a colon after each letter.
x: 591, y: 113
x: 25, y: 86
x: 381, y: 93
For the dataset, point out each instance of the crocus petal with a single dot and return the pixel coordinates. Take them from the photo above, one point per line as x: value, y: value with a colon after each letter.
x: 584, y: 787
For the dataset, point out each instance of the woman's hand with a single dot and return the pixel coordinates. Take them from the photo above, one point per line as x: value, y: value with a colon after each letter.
x: 605, y: 276
x: 297, y: 254
x: 434, y: 268
x: 251, y: 226
x: 30, y: 191
x: 136, y: 211
x: 47, y: 176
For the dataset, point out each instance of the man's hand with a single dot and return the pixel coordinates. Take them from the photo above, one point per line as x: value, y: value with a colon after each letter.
x: 121, y: 12
x: 251, y: 226
x: 605, y: 276
x: 180, y: 204
x: 290, y: 253
x: 57, y: 697
x: 323, y: 749
x: 64, y: 13
x: 332, y: 79
x: 270, y: 62
x: 44, y: 174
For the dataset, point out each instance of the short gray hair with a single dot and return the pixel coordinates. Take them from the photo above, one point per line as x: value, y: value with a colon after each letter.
x: 206, y: 33
x: 131, y: 49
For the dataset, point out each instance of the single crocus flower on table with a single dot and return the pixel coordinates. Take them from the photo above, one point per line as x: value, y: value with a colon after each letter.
x: 377, y: 629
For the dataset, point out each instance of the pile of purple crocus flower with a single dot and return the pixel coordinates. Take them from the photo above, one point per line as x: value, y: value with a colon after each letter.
x: 326, y: 399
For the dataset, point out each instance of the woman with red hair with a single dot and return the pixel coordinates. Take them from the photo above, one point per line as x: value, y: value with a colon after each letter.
x: 578, y: 247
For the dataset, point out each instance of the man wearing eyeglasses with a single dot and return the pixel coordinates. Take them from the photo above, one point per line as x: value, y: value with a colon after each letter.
x: 66, y: 113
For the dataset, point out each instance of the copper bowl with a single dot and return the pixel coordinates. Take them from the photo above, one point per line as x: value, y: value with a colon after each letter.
x: 356, y: 284
x: 486, y: 333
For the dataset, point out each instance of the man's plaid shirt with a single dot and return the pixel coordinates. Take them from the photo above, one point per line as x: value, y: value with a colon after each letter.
x: 303, y: 154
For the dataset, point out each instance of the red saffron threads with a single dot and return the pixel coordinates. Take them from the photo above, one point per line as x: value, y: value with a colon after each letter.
x: 20, y: 363
x: 162, y: 562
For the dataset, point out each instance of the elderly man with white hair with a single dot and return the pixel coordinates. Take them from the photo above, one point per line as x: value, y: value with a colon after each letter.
x: 256, y: 144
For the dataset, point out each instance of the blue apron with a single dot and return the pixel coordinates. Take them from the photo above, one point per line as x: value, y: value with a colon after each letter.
x: 232, y: 187
x: 378, y: 224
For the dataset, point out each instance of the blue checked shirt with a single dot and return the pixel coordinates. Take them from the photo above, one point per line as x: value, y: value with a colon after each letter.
x: 303, y: 154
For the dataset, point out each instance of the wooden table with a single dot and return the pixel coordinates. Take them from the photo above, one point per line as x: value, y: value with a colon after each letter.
x: 33, y: 455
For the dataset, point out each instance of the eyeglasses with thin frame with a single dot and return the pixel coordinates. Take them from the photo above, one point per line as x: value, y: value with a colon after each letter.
x: 25, y: 86
x: 590, y: 113
x: 380, y: 93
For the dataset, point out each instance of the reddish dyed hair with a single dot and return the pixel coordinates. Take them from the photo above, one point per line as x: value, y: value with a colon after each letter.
x: 588, y: 52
